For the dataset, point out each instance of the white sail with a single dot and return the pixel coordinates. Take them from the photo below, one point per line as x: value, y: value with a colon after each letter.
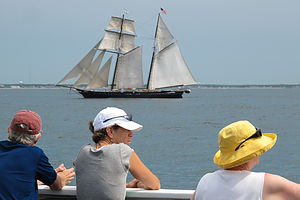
x: 127, y: 43
x: 129, y: 72
x: 112, y: 40
x: 101, y: 77
x: 170, y: 69
x: 84, y: 62
x: 89, y: 72
x: 164, y: 36
x: 117, y: 37
x: 115, y: 23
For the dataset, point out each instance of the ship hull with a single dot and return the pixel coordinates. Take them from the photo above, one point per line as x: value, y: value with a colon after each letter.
x: 131, y: 94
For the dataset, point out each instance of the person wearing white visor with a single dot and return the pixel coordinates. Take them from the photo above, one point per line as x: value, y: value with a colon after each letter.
x: 111, y: 116
x: 101, y: 169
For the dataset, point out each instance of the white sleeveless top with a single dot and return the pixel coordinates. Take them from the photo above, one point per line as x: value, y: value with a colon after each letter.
x: 231, y: 185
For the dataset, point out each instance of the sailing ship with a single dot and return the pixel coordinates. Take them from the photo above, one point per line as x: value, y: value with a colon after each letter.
x: 168, y: 74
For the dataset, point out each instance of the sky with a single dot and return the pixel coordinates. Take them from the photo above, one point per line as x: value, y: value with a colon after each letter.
x: 222, y: 41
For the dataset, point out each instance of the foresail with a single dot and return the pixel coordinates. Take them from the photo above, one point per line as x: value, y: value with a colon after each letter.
x: 169, y: 69
x: 129, y: 72
x: 101, y: 77
x: 84, y: 62
x: 89, y: 72
x: 164, y: 36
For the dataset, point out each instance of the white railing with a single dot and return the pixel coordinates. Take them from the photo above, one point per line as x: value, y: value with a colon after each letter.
x: 69, y: 192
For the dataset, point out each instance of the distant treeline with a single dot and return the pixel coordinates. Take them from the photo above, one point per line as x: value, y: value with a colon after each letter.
x: 27, y: 86
x: 192, y: 86
x: 248, y: 86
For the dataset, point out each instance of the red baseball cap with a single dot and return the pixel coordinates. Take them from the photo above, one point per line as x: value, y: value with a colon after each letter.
x: 31, y: 119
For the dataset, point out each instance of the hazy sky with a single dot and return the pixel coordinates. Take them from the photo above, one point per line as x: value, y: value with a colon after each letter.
x: 223, y: 41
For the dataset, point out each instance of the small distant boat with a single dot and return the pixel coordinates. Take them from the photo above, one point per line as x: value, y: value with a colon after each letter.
x: 168, y: 74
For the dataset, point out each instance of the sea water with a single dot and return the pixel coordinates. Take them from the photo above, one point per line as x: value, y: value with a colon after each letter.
x: 179, y: 138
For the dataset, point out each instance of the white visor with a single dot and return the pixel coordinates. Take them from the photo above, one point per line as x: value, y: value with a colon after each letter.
x: 124, y: 123
x: 111, y: 116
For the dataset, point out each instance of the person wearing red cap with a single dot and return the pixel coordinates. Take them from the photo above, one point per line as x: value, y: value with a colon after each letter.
x: 22, y: 164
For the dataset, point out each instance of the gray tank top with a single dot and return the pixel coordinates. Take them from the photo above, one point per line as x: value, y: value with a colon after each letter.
x: 101, y: 173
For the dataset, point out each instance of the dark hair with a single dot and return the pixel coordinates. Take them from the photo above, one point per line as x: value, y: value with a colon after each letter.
x: 99, y: 134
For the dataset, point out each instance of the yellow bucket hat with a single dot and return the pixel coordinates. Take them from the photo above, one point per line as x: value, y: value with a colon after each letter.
x: 240, y: 142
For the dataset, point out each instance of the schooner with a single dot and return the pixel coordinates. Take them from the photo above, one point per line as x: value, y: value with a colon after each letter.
x: 168, y: 69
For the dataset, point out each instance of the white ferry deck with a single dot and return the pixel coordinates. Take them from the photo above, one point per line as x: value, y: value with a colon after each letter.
x: 69, y: 192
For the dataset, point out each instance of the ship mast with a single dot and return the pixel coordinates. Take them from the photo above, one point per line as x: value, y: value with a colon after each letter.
x: 118, y: 54
x: 154, y: 50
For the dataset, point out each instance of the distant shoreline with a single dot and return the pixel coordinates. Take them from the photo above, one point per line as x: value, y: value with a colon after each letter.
x: 201, y: 86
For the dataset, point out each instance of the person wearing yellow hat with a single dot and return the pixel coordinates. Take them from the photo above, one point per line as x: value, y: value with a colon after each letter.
x: 240, y: 145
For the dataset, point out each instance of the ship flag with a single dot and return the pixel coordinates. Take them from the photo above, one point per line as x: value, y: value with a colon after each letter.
x: 163, y: 11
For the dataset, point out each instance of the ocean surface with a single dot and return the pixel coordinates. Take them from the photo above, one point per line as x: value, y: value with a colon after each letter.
x: 179, y: 138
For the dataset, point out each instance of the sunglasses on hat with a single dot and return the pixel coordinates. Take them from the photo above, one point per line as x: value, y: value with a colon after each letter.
x: 255, y: 135
x: 128, y: 117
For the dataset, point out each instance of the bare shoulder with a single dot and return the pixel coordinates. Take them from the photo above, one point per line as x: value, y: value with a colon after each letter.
x: 277, y: 187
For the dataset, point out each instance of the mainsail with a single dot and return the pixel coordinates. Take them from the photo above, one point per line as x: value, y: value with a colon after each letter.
x: 168, y: 67
x: 164, y: 36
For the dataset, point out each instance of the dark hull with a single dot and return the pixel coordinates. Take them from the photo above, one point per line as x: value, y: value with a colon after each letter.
x: 131, y: 94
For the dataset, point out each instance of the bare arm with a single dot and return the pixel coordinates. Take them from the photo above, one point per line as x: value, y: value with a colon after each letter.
x: 145, y: 178
x: 132, y: 184
x: 193, y: 196
x: 279, y: 188
x: 60, y: 168
x: 63, y: 178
